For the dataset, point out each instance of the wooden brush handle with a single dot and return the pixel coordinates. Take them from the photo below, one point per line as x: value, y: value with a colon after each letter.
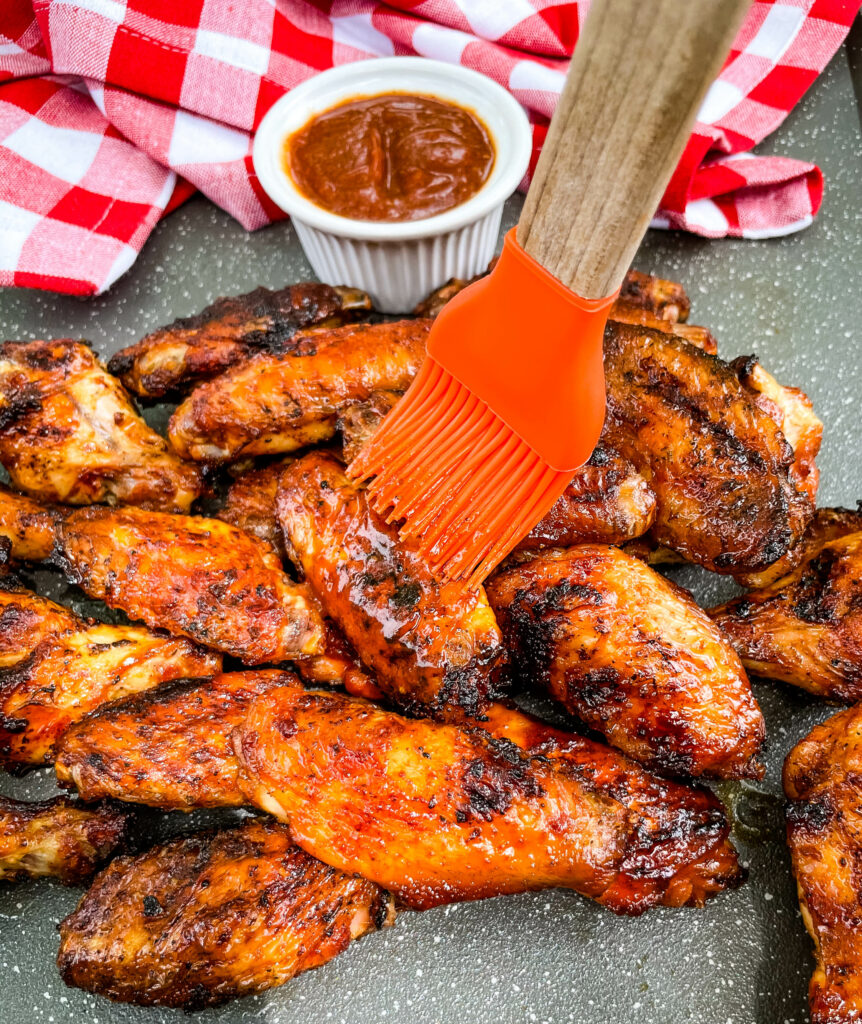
x: 640, y: 71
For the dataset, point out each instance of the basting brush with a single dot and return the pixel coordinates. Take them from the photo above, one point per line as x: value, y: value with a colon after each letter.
x: 511, y: 398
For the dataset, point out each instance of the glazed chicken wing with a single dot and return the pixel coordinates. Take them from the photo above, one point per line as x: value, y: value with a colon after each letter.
x: 438, y: 813
x: 229, y: 330
x: 57, y: 838
x: 55, y: 668
x: 718, y: 464
x: 805, y: 629
x: 195, y: 577
x: 823, y: 781
x: 212, y: 917
x: 169, y: 747
x: 281, y: 402
x: 633, y: 657
x: 427, y: 644
x: 69, y: 433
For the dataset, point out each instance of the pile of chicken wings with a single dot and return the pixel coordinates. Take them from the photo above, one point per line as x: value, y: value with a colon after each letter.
x: 288, y: 653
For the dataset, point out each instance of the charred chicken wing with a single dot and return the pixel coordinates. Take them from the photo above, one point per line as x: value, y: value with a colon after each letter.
x: 281, y: 402
x: 718, y: 464
x: 427, y: 644
x: 229, y: 330
x: 211, y: 917
x: 195, y: 577
x: 633, y: 657
x: 57, y: 838
x: 169, y: 747
x: 250, y: 505
x: 805, y: 629
x: 823, y: 781
x: 438, y: 813
x: 69, y: 433
x: 55, y: 668
x: 29, y: 527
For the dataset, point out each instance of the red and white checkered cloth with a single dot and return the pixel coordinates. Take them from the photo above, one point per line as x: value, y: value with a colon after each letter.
x: 112, y: 111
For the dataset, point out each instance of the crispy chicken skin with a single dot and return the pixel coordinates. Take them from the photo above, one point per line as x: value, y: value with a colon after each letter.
x: 358, y: 422
x: 793, y: 411
x: 805, y: 629
x: 718, y: 464
x: 169, y: 747
x: 69, y: 433
x: 825, y: 525
x: 57, y: 838
x: 632, y: 656
x: 214, y: 916
x: 229, y: 330
x: 427, y: 644
x: 195, y: 577
x: 281, y: 402
x: 438, y: 813
x: 823, y: 782
x: 29, y: 527
x: 55, y: 668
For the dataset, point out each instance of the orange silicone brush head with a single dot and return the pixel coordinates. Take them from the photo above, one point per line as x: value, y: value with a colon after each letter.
x: 509, y: 402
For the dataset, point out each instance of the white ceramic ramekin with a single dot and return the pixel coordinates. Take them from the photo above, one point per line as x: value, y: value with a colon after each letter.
x: 398, y: 264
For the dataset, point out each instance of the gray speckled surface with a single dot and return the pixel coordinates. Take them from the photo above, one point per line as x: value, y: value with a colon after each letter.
x: 548, y: 957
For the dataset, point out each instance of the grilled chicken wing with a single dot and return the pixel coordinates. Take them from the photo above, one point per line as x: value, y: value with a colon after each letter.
x: 339, y: 664
x: 69, y: 432
x: 229, y: 330
x: 823, y: 781
x: 438, y: 813
x: 718, y: 464
x: 57, y: 838
x: 427, y: 644
x: 805, y: 629
x: 633, y: 657
x: 212, y: 917
x: 55, y: 668
x: 358, y: 422
x: 793, y: 411
x: 195, y: 577
x: 169, y: 747
x: 278, y: 403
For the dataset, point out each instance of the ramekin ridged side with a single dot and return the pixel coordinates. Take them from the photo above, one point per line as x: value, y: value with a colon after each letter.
x: 398, y: 275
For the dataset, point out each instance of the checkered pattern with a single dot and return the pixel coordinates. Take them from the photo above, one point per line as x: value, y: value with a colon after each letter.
x: 113, y: 111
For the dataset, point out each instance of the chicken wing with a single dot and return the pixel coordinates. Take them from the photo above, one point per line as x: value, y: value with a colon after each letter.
x: 718, y: 464
x: 824, y: 831
x: 168, y: 747
x: 55, y: 668
x: 199, y: 578
x: 793, y: 411
x: 427, y: 644
x: 805, y: 629
x: 633, y: 657
x: 281, y: 402
x: 57, y: 838
x: 229, y: 330
x: 438, y: 813
x: 69, y: 433
x: 212, y: 917
x: 359, y: 421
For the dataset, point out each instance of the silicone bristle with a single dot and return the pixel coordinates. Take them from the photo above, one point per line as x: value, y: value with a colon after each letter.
x: 466, y: 487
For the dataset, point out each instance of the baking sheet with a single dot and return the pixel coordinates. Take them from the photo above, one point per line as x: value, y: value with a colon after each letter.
x: 546, y: 957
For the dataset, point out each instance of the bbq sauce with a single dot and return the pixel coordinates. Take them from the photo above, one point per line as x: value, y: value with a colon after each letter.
x: 393, y: 157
